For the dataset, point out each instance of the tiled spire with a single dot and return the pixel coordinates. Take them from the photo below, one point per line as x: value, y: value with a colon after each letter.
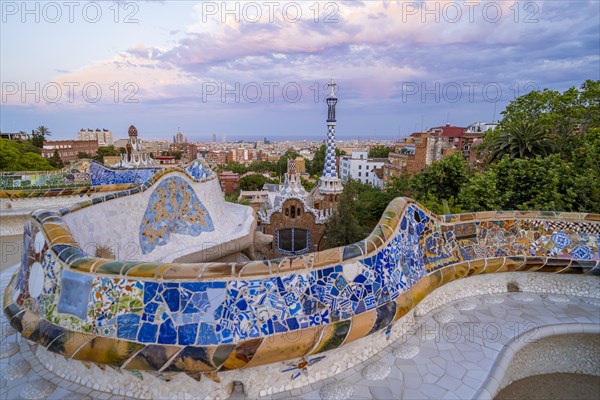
x: 330, y: 182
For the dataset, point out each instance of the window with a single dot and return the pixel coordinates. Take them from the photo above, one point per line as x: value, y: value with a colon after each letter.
x: 293, y: 240
x: 287, y: 212
x: 359, y: 174
x: 299, y: 211
x: 293, y: 212
x: 360, y: 167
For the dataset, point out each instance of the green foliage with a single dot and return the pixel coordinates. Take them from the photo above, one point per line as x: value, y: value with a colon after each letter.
x: 528, y: 171
x: 524, y: 184
x: 308, y: 185
x: 55, y: 160
x: 400, y: 186
x: 559, y: 112
x: 253, y: 182
x: 233, y: 198
x: 106, y: 151
x: 83, y: 154
x: 370, y: 204
x: 442, y: 179
x: 15, y: 156
x: 520, y: 139
x: 318, y: 162
x: 379, y: 152
x: 315, y: 168
x: 343, y: 227
x: 39, y: 136
x: 564, y: 115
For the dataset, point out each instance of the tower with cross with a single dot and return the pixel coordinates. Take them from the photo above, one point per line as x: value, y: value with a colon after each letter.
x: 330, y: 183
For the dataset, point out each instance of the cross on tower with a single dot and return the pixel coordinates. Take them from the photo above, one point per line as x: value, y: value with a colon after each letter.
x: 332, y: 85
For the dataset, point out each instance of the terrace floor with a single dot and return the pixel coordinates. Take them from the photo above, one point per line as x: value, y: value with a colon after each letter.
x: 455, y: 351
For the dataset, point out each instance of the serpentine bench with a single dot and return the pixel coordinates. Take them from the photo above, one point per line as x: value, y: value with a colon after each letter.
x: 204, y: 318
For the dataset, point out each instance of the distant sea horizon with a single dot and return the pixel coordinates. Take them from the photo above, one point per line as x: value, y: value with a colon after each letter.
x: 283, y: 138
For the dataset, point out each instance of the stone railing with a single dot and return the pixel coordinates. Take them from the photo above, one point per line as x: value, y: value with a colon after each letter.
x: 205, y: 318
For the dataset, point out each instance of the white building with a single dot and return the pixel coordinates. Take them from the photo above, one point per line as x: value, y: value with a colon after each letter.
x: 481, y: 127
x: 360, y: 167
x: 103, y: 136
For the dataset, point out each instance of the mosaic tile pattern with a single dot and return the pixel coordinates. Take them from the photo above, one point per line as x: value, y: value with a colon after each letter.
x: 87, y: 177
x: 173, y: 208
x: 162, y: 317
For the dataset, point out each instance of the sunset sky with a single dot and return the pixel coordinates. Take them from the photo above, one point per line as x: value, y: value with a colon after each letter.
x: 399, y: 64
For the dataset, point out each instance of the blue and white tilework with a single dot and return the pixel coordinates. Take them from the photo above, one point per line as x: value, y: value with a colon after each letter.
x: 173, y: 207
x: 329, y: 169
x: 104, y: 176
x: 198, y: 171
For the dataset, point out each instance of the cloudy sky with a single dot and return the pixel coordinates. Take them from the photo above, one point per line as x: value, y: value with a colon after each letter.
x: 254, y: 69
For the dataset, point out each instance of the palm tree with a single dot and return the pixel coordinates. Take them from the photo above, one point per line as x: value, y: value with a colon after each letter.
x: 521, y: 139
x: 39, y: 136
x: 42, y: 130
x: 232, y: 198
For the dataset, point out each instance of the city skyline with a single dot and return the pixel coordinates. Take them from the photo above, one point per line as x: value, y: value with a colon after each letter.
x: 252, y: 71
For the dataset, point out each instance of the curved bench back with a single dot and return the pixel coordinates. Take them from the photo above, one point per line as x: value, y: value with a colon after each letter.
x: 216, y: 317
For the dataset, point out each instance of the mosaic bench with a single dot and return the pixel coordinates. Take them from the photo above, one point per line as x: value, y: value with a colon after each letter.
x: 143, y: 210
x: 205, y: 318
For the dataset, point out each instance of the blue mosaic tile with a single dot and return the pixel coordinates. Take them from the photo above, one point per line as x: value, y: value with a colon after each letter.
x: 173, y: 207
x: 167, y: 334
x: 127, y: 326
x: 187, y: 334
x: 147, y: 333
x: 74, y: 293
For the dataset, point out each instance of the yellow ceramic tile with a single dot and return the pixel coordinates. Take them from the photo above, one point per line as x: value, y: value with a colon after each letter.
x: 242, y: 354
x: 361, y: 325
x: 461, y: 270
x: 107, y: 351
x: 422, y: 288
x: 404, y: 303
x: 327, y: 257
x: 476, y: 267
x: 69, y: 343
x: 281, y: 347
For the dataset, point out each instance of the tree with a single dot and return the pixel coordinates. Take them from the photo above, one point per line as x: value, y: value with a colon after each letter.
x: 520, y: 139
x: 83, y: 154
x: 342, y: 228
x: 441, y: 180
x: 318, y: 162
x: 55, y: 160
x: 379, y: 152
x: 236, y: 167
x: 400, y: 186
x: 14, y: 156
x: 315, y: 168
x: 371, y: 203
x: 106, y: 151
x: 39, y: 136
x: 524, y: 184
x: 252, y: 182
x: 558, y: 112
x: 308, y: 185
x: 565, y: 116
